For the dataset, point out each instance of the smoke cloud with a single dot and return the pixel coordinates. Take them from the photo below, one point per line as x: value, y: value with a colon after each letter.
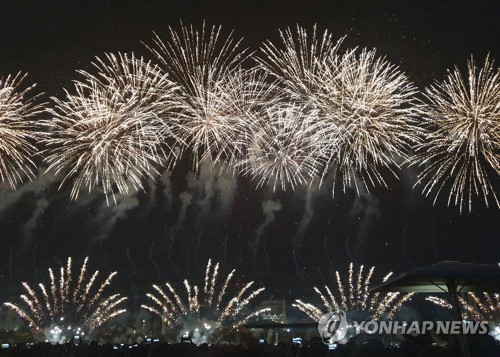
x: 269, y: 208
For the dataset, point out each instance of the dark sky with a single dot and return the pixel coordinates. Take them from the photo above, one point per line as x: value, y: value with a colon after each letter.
x: 301, y: 236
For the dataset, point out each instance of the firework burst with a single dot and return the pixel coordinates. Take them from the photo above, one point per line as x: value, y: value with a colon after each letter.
x: 352, y: 296
x: 366, y: 107
x: 284, y: 150
x: 17, y: 108
x: 216, y: 96
x: 476, y: 307
x: 297, y: 64
x: 114, y: 129
x: 206, y: 309
x: 370, y: 114
x: 462, y: 147
x: 77, y: 305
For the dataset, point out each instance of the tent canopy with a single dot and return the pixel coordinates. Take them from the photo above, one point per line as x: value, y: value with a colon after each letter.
x: 446, y: 276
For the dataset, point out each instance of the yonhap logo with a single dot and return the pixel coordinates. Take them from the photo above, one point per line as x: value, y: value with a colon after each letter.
x: 332, y: 327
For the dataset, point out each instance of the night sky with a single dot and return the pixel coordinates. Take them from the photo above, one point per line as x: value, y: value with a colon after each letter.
x: 287, y: 241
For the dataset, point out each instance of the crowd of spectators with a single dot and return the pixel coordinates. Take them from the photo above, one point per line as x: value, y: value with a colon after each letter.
x: 484, y: 346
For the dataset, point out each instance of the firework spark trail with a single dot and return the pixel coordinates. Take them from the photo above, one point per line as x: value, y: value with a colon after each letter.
x: 353, y: 296
x: 484, y: 307
x: 462, y: 136
x: 112, y: 131
x: 207, y: 308
x: 18, y: 130
x: 68, y: 304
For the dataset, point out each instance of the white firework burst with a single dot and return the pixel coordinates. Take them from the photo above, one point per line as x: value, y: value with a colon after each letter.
x: 116, y: 129
x: 367, y: 110
x: 206, y: 308
x: 18, y: 131
x: 474, y: 306
x: 352, y: 295
x: 297, y: 63
x: 67, y: 304
x: 284, y: 149
x: 369, y: 118
x: 462, y: 146
x: 215, y: 93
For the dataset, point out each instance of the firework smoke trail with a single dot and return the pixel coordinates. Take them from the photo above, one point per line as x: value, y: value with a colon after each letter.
x: 18, y: 130
x: 300, y: 272
x: 462, y: 136
x: 347, y: 247
x: 32, y: 223
x: 269, y: 208
x: 157, y: 267
x: 216, y: 95
x: 105, y: 259
x: 167, y: 189
x: 11, y: 259
x: 206, y: 308
x: 266, y: 256
x: 433, y: 235
x: 33, y: 263
x: 363, y: 215
x: 106, y: 216
x: 474, y: 306
x: 186, y: 199
x: 226, y: 239
x: 352, y: 295
x: 72, y: 303
x: 133, y: 273
x: 306, y: 217
x: 113, y: 130
x: 326, y: 250
x: 226, y: 186
x: 197, y: 250
x: 403, y: 246
x: 366, y: 108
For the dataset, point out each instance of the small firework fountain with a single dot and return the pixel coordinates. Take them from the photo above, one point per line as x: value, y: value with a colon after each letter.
x: 354, y: 298
x: 205, y: 311
x: 70, y: 307
x: 476, y: 307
